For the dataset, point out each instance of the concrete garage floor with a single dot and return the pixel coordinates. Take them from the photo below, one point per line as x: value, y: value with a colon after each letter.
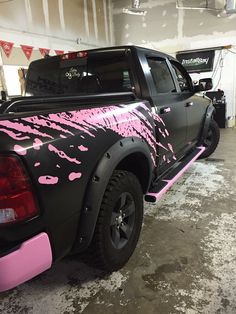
x: 185, y: 261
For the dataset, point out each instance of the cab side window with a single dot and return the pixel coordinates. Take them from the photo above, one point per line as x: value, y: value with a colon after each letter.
x: 161, y: 75
x: 183, y: 78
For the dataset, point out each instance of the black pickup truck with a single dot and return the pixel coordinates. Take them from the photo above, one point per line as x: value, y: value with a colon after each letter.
x: 96, y: 133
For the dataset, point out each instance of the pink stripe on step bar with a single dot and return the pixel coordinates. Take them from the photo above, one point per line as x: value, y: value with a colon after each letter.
x: 32, y: 258
x: 159, y: 195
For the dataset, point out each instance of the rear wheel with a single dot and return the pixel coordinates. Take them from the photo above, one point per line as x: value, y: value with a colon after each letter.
x: 119, y: 222
x: 212, y: 139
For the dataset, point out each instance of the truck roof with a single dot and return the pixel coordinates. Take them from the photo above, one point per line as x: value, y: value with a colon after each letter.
x: 131, y: 47
x: 124, y: 47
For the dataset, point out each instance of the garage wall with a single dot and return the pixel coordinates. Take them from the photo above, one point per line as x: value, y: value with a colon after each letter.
x: 56, y: 24
x: 170, y: 29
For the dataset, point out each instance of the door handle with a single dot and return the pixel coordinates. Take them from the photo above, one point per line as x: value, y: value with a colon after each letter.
x: 165, y: 110
x: 189, y: 104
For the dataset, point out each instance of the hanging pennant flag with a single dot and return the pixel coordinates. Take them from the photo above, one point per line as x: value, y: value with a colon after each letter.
x: 7, y: 47
x: 44, y: 51
x: 27, y: 50
x: 59, y: 52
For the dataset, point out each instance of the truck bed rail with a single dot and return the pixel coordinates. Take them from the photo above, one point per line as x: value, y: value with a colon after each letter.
x: 24, y: 104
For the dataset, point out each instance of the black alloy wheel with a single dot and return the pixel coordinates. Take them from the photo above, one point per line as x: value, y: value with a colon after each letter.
x: 122, y: 220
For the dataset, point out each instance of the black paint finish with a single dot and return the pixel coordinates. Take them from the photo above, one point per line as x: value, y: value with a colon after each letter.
x: 71, y: 145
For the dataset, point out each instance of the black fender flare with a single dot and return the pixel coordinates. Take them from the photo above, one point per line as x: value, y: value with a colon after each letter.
x: 208, y: 117
x: 98, y: 183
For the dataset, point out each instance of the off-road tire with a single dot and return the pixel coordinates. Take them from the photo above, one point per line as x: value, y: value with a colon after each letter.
x: 102, y: 252
x: 212, y: 139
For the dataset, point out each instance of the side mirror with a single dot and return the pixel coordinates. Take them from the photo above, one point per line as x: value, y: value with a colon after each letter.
x: 204, y: 85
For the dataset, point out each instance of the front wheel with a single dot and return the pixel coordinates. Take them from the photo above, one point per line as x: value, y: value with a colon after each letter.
x: 212, y: 139
x: 119, y: 222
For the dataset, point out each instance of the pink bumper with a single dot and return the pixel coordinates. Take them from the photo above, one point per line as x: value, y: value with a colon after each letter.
x: 32, y: 258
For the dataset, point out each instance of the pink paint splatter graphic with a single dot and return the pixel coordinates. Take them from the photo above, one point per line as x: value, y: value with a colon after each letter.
x: 165, y: 134
x: 20, y: 150
x: 37, y: 144
x: 170, y: 147
x: 48, y: 180
x: 73, y: 176
x: 23, y: 128
x: 15, y: 136
x: 78, y: 127
x: 44, y: 122
x: 82, y: 148
x: 61, y: 154
x: 161, y: 132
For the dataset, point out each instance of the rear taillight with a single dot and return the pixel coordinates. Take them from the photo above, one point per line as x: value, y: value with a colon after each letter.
x: 17, y: 202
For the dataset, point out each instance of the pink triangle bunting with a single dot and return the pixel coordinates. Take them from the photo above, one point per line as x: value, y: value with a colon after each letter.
x: 44, y: 51
x: 27, y: 50
x: 7, y: 47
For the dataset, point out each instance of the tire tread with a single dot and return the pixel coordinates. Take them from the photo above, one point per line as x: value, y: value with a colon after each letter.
x: 95, y: 254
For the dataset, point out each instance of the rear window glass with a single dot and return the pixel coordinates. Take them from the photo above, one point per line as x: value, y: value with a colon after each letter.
x: 87, y: 75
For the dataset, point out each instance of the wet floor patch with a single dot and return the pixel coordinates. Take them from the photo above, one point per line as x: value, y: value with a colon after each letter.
x: 184, y: 200
x: 163, y: 272
x: 214, y: 293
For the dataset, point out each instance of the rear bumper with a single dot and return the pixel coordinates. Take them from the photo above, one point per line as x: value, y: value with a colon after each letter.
x: 32, y: 258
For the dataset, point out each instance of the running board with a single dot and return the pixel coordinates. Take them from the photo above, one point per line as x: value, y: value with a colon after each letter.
x: 164, y: 185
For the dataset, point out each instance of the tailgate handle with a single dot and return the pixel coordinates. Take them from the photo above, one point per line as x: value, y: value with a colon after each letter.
x: 165, y: 110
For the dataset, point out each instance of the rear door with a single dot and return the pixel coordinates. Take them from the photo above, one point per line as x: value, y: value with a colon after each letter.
x: 195, y: 105
x: 172, y: 134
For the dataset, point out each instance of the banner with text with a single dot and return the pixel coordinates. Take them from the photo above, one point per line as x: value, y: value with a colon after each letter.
x: 198, y: 61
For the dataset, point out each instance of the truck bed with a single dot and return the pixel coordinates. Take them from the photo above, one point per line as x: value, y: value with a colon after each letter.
x: 60, y: 149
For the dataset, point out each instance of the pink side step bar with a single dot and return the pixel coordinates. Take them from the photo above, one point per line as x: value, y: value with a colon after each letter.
x: 159, y: 194
x: 32, y: 258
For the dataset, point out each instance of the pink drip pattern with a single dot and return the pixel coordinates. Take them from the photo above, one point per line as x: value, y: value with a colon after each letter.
x: 133, y: 120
